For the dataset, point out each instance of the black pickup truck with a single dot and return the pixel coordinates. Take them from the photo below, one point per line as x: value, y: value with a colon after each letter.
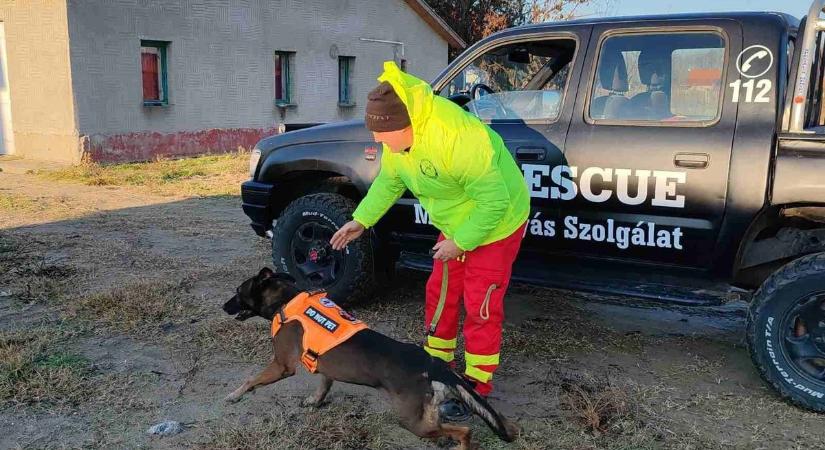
x: 679, y: 157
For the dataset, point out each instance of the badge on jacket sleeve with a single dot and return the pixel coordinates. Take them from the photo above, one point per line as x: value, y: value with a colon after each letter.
x: 427, y: 168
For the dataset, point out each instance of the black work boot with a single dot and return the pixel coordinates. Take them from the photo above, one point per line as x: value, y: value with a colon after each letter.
x: 453, y: 410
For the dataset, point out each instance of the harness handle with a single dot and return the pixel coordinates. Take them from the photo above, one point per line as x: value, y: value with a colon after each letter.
x: 442, y: 299
x: 484, y: 310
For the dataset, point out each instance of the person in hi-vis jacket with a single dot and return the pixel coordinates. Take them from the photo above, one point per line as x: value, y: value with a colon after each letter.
x: 474, y: 193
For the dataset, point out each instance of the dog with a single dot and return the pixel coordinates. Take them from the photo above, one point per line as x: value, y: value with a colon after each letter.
x: 416, y: 382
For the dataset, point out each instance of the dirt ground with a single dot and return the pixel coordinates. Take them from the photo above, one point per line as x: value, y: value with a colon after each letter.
x: 110, y: 322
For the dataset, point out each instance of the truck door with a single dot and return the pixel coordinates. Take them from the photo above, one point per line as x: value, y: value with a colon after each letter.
x: 650, y: 143
x: 523, y: 86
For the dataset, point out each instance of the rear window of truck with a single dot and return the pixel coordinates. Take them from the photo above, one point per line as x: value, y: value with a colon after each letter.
x: 658, y: 78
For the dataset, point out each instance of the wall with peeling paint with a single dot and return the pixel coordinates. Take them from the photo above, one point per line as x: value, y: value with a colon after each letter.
x: 40, y: 79
x: 221, y: 65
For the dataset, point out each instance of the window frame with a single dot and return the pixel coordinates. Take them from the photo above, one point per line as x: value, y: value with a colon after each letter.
x: 284, y: 57
x: 654, y: 31
x: 162, y: 47
x: 544, y: 36
x: 349, y: 62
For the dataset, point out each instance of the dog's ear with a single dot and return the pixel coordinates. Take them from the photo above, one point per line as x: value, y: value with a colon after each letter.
x: 265, y: 273
x: 284, y: 276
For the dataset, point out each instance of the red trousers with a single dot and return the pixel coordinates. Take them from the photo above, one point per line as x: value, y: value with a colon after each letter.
x: 481, y: 281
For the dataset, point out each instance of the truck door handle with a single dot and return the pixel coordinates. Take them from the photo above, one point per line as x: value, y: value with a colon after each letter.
x: 691, y: 160
x: 531, y: 153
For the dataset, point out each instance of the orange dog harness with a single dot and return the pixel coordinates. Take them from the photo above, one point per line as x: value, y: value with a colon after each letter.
x: 325, y: 324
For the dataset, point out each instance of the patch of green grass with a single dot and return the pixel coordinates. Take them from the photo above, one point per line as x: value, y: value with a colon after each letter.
x: 33, y: 372
x: 58, y: 360
x: 209, y: 175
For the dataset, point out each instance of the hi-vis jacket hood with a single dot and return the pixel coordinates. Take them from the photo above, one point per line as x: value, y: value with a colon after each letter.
x: 458, y: 168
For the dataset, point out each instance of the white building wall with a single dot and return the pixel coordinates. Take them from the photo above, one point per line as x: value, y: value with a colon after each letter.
x: 221, y: 59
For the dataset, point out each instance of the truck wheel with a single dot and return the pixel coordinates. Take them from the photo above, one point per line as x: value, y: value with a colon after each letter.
x: 786, y: 331
x: 300, y: 247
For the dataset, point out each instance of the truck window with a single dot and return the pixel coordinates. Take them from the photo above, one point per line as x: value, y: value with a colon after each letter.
x: 516, y: 82
x: 658, y: 78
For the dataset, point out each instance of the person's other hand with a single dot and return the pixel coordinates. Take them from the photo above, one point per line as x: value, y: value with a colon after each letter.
x: 346, y: 234
x: 447, y: 250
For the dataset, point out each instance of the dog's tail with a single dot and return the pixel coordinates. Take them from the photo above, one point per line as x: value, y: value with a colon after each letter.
x: 464, y: 391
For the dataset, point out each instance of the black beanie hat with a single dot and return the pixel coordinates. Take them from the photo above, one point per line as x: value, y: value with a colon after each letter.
x: 385, y: 111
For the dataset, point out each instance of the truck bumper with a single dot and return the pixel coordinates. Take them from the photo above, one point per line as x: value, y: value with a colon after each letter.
x: 257, y: 205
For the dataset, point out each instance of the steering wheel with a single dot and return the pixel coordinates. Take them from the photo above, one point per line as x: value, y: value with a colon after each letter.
x: 500, y: 111
x: 480, y: 87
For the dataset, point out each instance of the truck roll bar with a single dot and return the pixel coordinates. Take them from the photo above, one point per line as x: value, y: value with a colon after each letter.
x: 814, y: 24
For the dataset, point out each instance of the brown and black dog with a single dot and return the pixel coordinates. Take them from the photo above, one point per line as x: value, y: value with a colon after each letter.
x: 416, y: 382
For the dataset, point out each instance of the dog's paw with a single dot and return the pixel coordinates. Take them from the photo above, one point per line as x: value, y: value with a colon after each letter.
x: 310, y: 402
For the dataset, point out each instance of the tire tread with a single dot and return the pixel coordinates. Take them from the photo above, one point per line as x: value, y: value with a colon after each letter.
x: 792, y: 272
x: 362, y: 285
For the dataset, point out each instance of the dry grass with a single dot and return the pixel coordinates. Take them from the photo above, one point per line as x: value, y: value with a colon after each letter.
x: 108, y: 403
x: 136, y: 307
x: 17, y: 209
x: 27, y: 275
x: 592, y: 413
x: 247, y: 341
x: 17, y: 202
x: 346, y: 424
x: 596, y: 409
x: 562, y: 434
x: 33, y: 371
x: 561, y: 330
x: 201, y: 176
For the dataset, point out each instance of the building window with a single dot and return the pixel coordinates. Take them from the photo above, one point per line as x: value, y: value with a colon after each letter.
x: 282, y: 78
x: 345, y: 67
x: 154, y: 69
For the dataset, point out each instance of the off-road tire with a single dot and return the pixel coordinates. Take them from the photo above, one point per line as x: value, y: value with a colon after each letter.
x: 356, y: 282
x: 777, y: 297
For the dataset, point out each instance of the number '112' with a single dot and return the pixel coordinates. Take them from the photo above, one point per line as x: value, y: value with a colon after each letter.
x: 763, y: 86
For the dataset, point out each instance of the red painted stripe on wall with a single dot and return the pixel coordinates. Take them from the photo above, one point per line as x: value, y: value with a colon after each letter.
x: 145, y: 146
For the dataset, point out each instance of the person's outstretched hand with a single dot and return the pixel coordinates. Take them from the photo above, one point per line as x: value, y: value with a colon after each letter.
x: 446, y: 250
x: 346, y: 234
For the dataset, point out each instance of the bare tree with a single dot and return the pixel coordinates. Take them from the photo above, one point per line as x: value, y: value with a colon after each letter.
x: 474, y: 20
x: 552, y: 10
